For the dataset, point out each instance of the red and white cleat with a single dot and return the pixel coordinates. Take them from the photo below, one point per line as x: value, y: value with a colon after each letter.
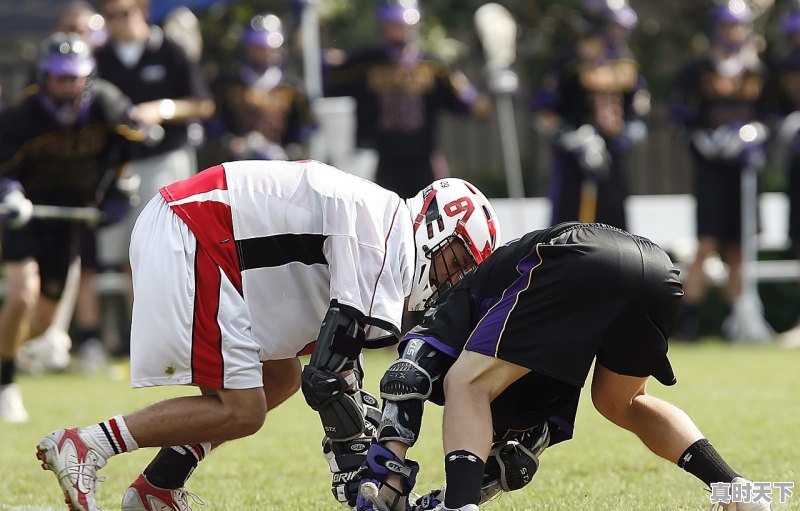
x: 75, y: 465
x: 143, y: 496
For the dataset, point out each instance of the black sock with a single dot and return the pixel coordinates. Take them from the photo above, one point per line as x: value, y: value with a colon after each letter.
x: 704, y: 462
x: 464, y: 474
x: 8, y: 369
x: 84, y: 334
x: 172, y: 467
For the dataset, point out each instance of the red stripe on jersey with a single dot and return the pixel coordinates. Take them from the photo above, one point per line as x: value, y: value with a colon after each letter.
x: 213, y: 178
x: 210, y: 221
x: 212, y: 224
x: 118, y: 435
x: 207, y: 362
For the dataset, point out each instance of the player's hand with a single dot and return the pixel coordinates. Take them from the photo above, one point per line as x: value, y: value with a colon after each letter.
x: 375, y: 494
x: 429, y: 501
x: 119, y: 199
x: 16, y: 210
x: 345, y: 460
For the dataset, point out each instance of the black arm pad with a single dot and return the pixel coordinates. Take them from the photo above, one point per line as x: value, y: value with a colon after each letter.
x: 340, y: 339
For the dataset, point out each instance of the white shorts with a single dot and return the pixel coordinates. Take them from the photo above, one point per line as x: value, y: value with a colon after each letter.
x: 190, y: 325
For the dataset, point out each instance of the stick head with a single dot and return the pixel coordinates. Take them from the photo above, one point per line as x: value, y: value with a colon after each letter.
x: 369, y: 491
x: 498, y: 33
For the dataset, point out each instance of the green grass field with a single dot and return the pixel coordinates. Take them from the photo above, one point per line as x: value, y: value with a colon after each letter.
x: 746, y: 399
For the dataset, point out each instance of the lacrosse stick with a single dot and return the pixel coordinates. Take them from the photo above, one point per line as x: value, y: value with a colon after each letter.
x: 91, y: 216
x: 746, y: 322
x: 369, y: 491
x: 497, y: 31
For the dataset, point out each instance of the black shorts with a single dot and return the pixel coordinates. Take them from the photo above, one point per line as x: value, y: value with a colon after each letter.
x: 718, y: 194
x: 54, y: 246
x: 591, y: 291
x: 793, y: 191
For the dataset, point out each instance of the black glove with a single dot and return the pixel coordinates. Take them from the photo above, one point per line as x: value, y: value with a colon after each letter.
x: 119, y: 199
x: 345, y: 458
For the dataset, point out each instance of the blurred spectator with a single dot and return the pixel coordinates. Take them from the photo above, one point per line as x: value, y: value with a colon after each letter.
x: 715, y: 95
x: 592, y: 103
x: 79, y: 17
x: 265, y: 114
x: 400, y: 92
x: 784, y: 102
x: 64, y: 145
x: 168, y: 91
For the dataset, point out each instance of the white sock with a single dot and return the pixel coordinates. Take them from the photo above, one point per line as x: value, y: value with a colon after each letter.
x: 110, y: 437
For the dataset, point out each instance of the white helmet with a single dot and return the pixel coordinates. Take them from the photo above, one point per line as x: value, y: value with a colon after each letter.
x: 448, y: 209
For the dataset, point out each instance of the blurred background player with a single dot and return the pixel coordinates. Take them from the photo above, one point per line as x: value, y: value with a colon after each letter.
x: 715, y: 95
x: 784, y: 102
x: 64, y: 145
x: 592, y: 103
x: 399, y: 92
x: 79, y: 17
x: 168, y: 91
x: 265, y: 113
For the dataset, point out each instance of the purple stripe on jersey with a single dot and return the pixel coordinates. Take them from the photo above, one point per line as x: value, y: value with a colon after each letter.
x: 486, y: 336
x: 480, y: 305
x: 436, y: 343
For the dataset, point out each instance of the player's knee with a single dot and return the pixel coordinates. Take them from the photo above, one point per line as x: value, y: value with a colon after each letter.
x: 246, y: 416
x: 281, y: 382
x: 610, y: 406
x: 22, y: 297
x: 457, y: 381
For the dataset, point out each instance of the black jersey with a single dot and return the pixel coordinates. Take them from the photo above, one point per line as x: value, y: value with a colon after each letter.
x: 398, y: 102
x: 595, y: 85
x: 163, y: 71
x: 280, y: 111
x: 64, y: 165
x: 707, y: 96
x: 783, y: 95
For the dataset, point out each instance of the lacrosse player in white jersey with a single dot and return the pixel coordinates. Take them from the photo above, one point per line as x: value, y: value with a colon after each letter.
x: 234, y: 271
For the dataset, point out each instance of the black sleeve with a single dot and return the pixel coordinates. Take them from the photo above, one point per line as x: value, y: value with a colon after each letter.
x: 454, y: 89
x: 11, y: 142
x: 189, y: 80
x: 448, y: 323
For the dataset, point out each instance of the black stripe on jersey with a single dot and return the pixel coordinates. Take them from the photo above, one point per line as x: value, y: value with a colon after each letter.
x: 272, y: 251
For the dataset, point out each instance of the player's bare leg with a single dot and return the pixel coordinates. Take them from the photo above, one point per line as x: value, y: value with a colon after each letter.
x: 164, y: 478
x: 470, y: 386
x: 229, y: 415
x: 732, y: 255
x: 663, y: 427
x: 75, y: 455
x: 16, y: 315
x: 694, y: 288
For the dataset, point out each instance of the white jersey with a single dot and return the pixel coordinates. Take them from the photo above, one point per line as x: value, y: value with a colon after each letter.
x: 294, y: 236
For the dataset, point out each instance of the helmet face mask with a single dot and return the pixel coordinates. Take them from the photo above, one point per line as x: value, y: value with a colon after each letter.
x: 450, y: 261
x: 455, y: 229
x: 263, y: 41
x: 65, y: 68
